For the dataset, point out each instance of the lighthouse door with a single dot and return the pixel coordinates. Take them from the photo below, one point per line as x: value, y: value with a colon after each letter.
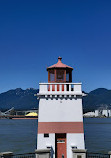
x: 60, y: 145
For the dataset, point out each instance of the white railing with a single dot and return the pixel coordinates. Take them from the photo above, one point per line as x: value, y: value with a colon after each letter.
x: 60, y: 88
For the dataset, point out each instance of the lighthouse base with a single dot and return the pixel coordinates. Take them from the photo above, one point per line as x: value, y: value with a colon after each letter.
x: 61, y: 144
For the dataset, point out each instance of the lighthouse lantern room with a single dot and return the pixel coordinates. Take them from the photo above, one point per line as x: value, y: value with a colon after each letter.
x: 60, y: 121
x: 59, y: 72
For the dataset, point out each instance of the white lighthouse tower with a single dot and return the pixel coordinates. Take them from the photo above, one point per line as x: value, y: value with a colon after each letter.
x: 60, y: 121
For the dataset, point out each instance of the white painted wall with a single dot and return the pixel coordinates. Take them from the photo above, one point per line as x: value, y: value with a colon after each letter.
x: 43, y: 142
x: 74, y: 139
x: 60, y: 110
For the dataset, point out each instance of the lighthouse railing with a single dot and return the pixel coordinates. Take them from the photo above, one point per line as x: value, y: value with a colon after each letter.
x: 60, y: 87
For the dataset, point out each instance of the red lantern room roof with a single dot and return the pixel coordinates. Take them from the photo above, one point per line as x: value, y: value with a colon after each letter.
x: 59, y: 64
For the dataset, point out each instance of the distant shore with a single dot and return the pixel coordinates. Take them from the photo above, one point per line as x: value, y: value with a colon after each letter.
x: 18, y: 117
x: 95, y: 117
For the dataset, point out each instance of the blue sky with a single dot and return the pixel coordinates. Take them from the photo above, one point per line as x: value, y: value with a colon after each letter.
x: 34, y: 33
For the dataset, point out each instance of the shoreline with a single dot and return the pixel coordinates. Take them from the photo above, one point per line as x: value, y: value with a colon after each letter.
x: 18, y: 117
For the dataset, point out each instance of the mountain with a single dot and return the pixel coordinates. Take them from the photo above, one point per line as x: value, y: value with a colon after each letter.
x: 19, y: 99
x: 97, y: 98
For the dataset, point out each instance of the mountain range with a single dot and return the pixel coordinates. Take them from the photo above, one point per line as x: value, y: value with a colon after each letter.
x: 100, y: 97
x: 24, y: 99
x: 19, y: 99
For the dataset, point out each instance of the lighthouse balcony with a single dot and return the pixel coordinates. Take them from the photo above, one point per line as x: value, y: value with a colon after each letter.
x: 60, y: 89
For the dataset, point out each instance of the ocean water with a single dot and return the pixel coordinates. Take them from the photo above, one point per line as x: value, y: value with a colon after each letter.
x: 19, y: 136
x: 98, y: 134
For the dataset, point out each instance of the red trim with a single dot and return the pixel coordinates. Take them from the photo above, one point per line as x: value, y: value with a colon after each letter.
x: 60, y: 127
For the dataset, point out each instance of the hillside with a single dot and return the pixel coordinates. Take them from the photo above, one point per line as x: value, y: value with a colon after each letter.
x: 96, y: 98
x: 19, y: 99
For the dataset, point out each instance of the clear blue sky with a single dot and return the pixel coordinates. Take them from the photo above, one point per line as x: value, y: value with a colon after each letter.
x: 34, y: 33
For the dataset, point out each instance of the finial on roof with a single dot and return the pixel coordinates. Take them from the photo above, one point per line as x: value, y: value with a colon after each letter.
x: 59, y: 58
x: 59, y: 64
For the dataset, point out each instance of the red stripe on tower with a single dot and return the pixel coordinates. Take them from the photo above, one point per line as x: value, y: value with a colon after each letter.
x: 60, y: 127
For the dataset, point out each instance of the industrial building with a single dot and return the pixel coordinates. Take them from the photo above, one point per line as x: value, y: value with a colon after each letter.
x: 100, y: 112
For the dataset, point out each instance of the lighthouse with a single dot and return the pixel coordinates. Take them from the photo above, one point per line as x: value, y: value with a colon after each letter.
x: 60, y: 120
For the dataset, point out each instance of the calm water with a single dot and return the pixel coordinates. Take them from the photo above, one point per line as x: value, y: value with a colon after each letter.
x: 98, y: 134
x: 19, y: 136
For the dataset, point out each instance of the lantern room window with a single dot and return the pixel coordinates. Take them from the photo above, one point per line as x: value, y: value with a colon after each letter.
x: 67, y: 77
x: 59, y: 75
x: 52, y: 75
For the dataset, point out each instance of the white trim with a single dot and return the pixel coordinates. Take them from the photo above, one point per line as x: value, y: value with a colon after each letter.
x: 60, y: 83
